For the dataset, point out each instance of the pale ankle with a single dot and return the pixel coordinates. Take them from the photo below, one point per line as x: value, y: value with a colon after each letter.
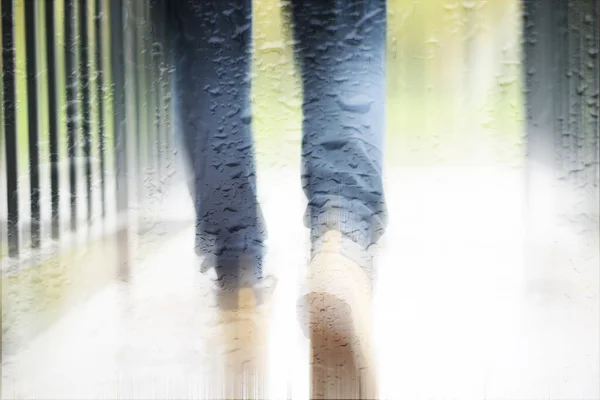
x: 334, y: 241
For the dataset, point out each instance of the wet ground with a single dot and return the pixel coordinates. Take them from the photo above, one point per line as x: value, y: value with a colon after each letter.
x: 469, y: 305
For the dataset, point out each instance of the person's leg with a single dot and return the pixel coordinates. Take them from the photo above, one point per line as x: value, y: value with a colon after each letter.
x: 212, y: 57
x: 340, y: 46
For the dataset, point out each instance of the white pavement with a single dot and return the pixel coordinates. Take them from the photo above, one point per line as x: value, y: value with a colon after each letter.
x: 468, y: 306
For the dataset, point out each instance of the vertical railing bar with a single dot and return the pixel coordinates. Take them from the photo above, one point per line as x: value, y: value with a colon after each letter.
x: 121, y: 142
x: 570, y: 111
x: 117, y: 54
x: 154, y: 87
x: 137, y: 97
x: 150, y: 138
x: 71, y: 83
x: 596, y: 119
x: 157, y: 82
x: 143, y: 153
x: 168, y: 81
x: 100, y: 94
x: 32, y: 110
x: 576, y: 58
x: 560, y: 20
x: 143, y: 93
x: 10, y: 126
x: 52, y: 120
x: 84, y: 74
x: 165, y: 80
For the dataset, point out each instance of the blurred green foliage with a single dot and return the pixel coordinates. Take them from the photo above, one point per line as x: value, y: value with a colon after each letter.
x: 454, y: 83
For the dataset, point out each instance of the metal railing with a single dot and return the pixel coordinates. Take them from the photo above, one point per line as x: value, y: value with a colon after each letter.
x: 561, y: 64
x: 86, y: 115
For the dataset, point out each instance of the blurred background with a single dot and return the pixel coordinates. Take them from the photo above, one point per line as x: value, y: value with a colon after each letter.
x: 489, y: 270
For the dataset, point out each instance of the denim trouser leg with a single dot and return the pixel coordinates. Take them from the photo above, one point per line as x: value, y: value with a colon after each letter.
x: 340, y: 46
x: 211, y: 55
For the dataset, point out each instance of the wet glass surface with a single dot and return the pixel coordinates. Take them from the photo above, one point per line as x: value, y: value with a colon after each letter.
x: 141, y: 166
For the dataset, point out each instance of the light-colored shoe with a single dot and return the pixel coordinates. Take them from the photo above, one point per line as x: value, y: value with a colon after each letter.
x: 243, y: 316
x: 335, y: 312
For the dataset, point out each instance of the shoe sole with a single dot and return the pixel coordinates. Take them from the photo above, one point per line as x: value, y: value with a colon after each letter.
x: 336, y: 353
x: 334, y: 312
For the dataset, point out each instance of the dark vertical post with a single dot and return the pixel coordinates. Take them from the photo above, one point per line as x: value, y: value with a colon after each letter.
x: 10, y: 126
x: 151, y: 125
x: 142, y: 145
x: 71, y: 82
x: 100, y: 94
x: 136, y: 93
x: 118, y: 84
x: 157, y: 84
x: 561, y: 55
x: 595, y: 108
x: 560, y: 81
x: 575, y: 79
x: 539, y: 71
x: 32, y: 110
x: 52, y: 120
x: 84, y: 73
x: 167, y: 47
x: 158, y: 13
x: 589, y: 133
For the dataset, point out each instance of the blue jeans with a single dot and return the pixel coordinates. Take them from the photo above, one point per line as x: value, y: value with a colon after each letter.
x: 340, y: 48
